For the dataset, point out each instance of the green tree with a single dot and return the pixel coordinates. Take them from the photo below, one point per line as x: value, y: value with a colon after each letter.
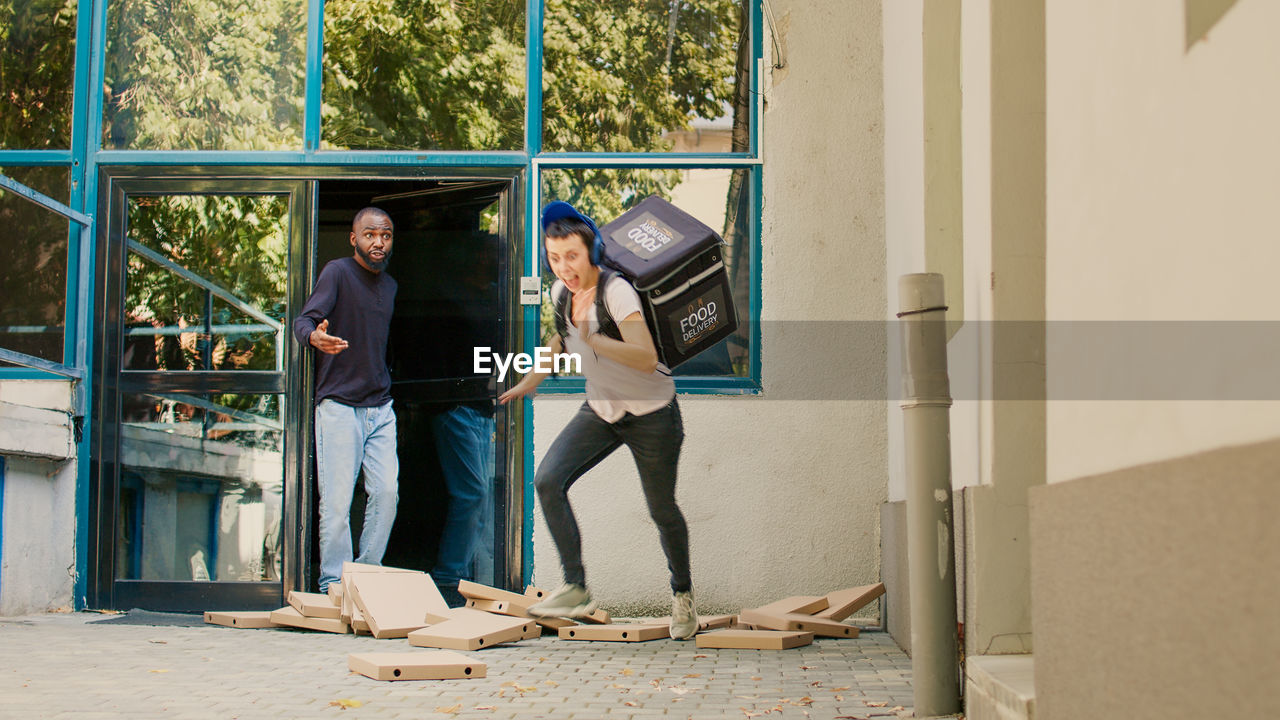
x: 204, y: 75
x: 37, y: 44
x: 424, y: 74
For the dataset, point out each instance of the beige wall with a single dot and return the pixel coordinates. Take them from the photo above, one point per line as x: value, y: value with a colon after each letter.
x: 1154, y: 590
x: 37, y: 570
x: 1162, y: 187
x: 782, y: 491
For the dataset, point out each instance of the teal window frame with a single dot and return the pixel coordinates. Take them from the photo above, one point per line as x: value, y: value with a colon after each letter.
x: 86, y: 157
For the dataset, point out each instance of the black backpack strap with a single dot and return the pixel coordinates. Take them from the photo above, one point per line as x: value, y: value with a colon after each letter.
x: 608, y: 327
x: 561, y: 316
x: 603, y: 317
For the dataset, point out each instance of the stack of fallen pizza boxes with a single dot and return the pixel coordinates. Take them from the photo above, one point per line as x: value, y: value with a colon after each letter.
x: 388, y: 602
x: 794, y: 621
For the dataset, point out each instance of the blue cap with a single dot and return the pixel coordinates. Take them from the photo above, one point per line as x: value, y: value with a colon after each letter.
x: 559, y: 210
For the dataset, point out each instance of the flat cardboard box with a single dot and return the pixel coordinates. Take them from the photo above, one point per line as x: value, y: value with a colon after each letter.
x: 248, y: 619
x: 501, y: 607
x: 474, y: 632
x: 617, y: 632
x: 753, y: 639
x: 706, y: 622
x: 555, y: 623
x: 314, y: 605
x: 395, y: 604
x: 476, y: 591
x: 439, y: 616
x: 288, y: 616
x: 350, y: 569
x: 597, y: 617
x: 843, y: 603
x: 434, y: 665
x: 795, y: 621
x: 798, y: 604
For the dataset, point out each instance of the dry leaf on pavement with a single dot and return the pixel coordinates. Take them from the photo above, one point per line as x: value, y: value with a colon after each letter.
x: 345, y: 703
x: 449, y: 710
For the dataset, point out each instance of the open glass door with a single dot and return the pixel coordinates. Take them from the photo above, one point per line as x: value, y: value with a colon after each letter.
x: 196, y: 409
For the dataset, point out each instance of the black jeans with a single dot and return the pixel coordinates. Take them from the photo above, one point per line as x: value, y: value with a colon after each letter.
x: 654, y: 440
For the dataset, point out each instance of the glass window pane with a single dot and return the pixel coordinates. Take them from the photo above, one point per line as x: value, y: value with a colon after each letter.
x: 206, y: 289
x: 205, y: 75
x: 33, y: 266
x: 719, y: 198
x: 49, y: 180
x: 641, y: 75
x: 409, y: 75
x: 200, y: 487
x: 37, y: 73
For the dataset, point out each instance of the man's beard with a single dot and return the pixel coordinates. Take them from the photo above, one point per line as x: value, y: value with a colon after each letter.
x: 374, y: 264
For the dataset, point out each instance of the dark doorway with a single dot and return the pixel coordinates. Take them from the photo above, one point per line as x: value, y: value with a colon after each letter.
x: 449, y: 261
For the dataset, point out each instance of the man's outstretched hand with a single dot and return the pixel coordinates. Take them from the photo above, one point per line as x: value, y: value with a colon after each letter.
x: 324, y: 342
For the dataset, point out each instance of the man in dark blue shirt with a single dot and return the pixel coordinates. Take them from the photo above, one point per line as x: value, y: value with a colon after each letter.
x: 347, y: 320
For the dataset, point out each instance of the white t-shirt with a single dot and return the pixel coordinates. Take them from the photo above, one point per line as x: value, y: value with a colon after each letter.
x: 613, y: 389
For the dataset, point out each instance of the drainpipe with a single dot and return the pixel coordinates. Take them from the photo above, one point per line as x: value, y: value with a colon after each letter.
x: 931, y: 561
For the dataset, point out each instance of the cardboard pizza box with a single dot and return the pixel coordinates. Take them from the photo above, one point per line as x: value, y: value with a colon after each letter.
x: 395, y: 604
x: 435, y: 665
x: 795, y: 621
x: 288, y: 616
x: 314, y: 605
x: 753, y: 639
x: 474, y: 632
x: 617, y: 632
x: 245, y: 619
x: 841, y: 604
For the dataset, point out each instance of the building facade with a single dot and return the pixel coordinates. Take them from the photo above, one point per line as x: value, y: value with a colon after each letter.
x: 1092, y: 180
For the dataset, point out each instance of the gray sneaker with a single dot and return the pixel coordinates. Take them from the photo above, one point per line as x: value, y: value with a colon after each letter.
x: 570, y: 600
x: 684, y: 620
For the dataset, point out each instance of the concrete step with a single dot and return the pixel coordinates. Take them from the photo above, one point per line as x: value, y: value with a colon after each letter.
x: 1000, y: 687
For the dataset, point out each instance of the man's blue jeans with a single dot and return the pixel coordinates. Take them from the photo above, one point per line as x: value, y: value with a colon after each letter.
x: 464, y: 444
x: 348, y: 439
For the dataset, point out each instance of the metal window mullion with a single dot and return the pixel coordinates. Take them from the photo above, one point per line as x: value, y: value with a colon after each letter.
x: 318, y: 159
x: 87, y: 117
x: 534, y: 21
x: 534, y: 17
x: 757, y: 82
x: 314, y: 85
x: 34, y: 158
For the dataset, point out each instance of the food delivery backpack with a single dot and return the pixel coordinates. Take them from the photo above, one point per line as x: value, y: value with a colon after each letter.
x: 676, y: 265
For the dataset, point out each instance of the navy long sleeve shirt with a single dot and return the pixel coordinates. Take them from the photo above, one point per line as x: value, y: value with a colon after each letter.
x: 358, y: 305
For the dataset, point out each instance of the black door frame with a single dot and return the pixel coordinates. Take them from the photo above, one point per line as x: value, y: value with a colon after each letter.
x: 117, y: 184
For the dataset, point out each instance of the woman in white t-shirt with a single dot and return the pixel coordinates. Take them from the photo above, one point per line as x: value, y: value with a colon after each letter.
x: 631, y: 400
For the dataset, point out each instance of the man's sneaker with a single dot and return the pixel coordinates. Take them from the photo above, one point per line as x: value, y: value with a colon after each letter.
x: 570, y: 600
x: 684, y: 621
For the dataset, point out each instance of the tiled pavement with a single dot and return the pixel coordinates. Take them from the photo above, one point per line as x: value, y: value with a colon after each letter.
x: 67, y: 666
